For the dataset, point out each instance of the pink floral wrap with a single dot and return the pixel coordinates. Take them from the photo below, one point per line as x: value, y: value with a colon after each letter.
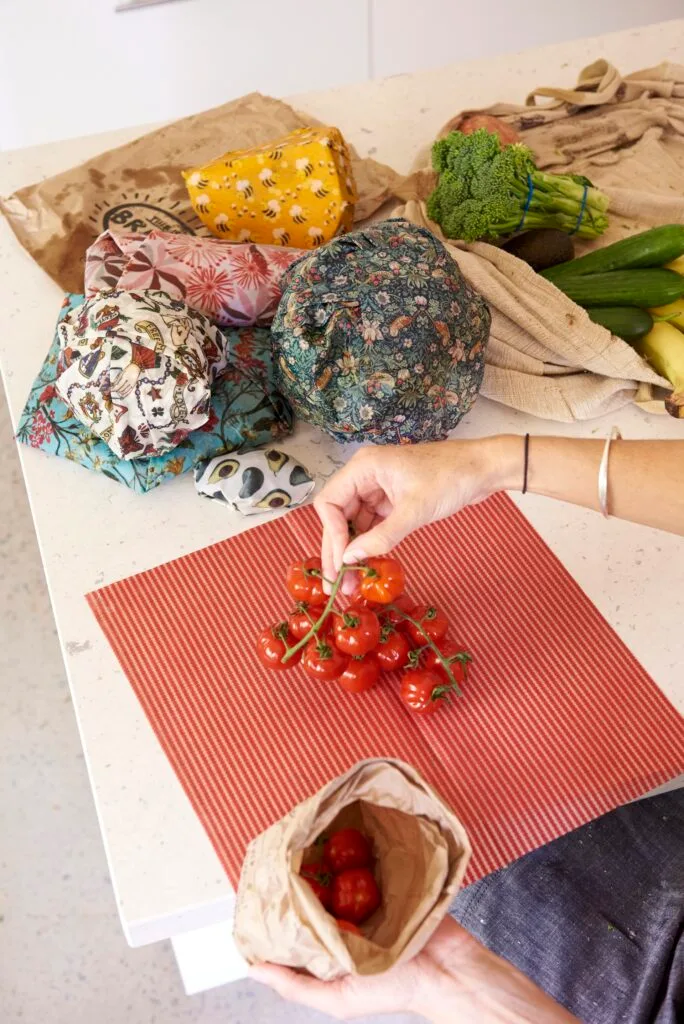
x: 234, y: 284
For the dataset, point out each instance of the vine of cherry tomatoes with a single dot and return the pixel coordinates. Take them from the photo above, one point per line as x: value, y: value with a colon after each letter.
x: 381, y: 630
x: 343, y: 879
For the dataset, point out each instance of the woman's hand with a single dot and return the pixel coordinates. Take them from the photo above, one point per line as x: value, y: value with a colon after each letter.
x: 453, y: 978
x: 386, y: 492
x: 409, y: 987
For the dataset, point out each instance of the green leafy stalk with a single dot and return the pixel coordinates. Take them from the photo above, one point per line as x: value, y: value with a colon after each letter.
x: 486, y: 191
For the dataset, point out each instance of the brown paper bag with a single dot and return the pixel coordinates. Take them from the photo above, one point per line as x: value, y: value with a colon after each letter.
x: 138, y: 187
x: 422, y: 853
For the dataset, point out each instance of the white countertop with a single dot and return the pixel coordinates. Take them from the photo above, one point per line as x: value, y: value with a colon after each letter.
x: 93, y: 531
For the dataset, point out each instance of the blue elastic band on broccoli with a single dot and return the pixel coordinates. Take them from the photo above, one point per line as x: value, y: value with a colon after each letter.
x: 483, y: 190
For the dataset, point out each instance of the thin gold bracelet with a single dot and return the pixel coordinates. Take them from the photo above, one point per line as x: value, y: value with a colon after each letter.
x: 614, y: 435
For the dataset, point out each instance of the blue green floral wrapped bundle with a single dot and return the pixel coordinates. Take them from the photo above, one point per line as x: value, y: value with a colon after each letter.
x: 379, y: 338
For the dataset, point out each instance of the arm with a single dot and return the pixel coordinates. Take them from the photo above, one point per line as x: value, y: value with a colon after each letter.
x: 645, y: 478
x: 453, y: 978
x: 388, y: 492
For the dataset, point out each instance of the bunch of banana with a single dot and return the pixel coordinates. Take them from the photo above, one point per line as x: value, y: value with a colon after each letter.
x: 663, y: 346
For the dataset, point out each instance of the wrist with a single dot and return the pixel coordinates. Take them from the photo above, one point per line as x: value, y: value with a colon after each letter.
x: 503, y: 462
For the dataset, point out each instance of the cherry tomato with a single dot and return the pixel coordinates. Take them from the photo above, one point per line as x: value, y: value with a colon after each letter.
x: 422, y: 690
x: 304, y: 581
x: 320, y: 881
x: 382, y: 581
x: 393, y: 650
x: 301, y: 619
x: 323, y: 661
x: 272, y: 644
x: 458, y: 660
x: 434, y: 623
x: 347, y: 926
x: 357, y: 630
x: 347, y: 849
x: 355, y: 895
x: 403, y: 602
x: 361, y: 674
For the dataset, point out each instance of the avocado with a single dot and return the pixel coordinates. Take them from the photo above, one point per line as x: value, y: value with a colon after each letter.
x: 541, y: 247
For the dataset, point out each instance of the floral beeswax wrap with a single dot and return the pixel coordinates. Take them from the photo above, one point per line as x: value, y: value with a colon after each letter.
x: 246, y: 412
x: 254, y: 482
x: 135, y: 367
x: 231, y: 283
x: 298, y: 190
x: 379, y: 338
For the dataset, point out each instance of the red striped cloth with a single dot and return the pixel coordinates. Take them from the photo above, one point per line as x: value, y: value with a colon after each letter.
x: 559, y: 723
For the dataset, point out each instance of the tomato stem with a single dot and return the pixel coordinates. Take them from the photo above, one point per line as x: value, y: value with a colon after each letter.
x: 315, y: 628
x: 308, y: 616
x: 345, y: 568
x: 430, y: 643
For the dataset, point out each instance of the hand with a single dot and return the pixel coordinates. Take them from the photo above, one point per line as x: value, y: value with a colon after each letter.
x: 453, y: 978
x: 408, y: 987
x: 386, y: 492
x: 126, y: 381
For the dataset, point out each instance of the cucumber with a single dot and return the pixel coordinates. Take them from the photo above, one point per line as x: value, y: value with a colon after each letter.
x: 645, y: 288
x: 649, y: 249
x: 628, y: 322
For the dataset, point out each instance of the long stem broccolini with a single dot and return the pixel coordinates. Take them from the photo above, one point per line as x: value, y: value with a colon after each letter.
x: 486, y: 191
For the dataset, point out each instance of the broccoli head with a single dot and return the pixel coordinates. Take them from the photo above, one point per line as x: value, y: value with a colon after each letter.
x: 486, y: 191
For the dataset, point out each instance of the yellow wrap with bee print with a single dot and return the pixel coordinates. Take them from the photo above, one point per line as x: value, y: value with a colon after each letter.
x: 296, y: 191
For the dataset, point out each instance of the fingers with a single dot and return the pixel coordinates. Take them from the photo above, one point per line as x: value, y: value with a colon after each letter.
x: 364, y: 519
x: 383, y: 537
x: 335, y: 537
x: 300, y: 988
x: 337, y: 503
x: 121, y: 386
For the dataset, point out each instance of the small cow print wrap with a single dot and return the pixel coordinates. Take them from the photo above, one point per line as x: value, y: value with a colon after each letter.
x: 253, y: 482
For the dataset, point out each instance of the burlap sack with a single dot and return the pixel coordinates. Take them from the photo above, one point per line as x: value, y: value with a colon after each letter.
x: 545, y: 356
x: 422, y: 853
x: 139, y: 187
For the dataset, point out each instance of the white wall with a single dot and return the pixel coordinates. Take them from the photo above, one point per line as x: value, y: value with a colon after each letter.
x: 88, y: 69
x: 420, y: 34
x: 73, y: 67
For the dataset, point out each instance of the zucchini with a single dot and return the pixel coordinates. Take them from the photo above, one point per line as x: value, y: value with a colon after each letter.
x: 645, y: 288
x: 628, y: 322
x: 649, y: 249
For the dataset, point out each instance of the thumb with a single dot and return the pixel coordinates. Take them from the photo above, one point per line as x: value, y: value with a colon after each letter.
x: 382, y: 538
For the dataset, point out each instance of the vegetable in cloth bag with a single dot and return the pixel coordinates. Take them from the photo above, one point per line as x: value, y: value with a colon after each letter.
x: 421, y: 850
x: 379, y: 338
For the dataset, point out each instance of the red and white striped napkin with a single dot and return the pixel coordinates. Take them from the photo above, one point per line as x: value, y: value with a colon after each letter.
x: 559, y: 723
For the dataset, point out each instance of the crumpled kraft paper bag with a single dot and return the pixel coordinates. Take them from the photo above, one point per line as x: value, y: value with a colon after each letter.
x: 422, y: 853
x: 138, y: 187
x: 545, y: 356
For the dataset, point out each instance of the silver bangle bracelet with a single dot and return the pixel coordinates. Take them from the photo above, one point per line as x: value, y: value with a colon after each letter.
x: 614, y: 435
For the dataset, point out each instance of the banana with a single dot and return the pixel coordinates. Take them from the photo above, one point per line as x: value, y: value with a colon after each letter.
x: 673, y: 312
x: 663, y: 348
x: 676, y: 265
